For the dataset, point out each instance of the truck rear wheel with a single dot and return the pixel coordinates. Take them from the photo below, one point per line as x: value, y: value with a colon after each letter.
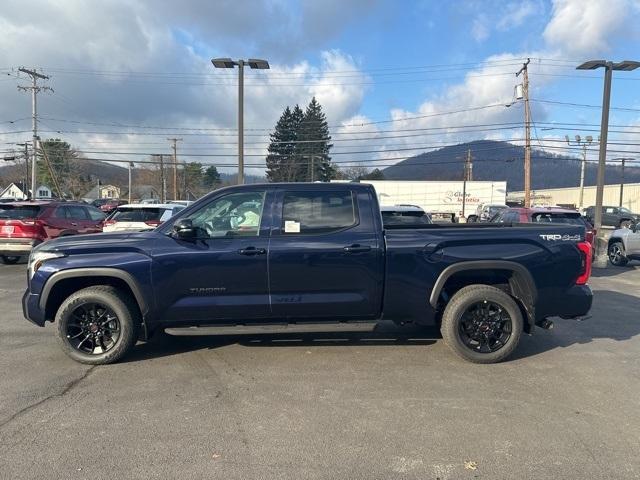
x: 482, y: 324
x: 97, y: 325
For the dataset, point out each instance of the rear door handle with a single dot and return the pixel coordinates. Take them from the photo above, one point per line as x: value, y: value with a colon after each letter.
x: 73, y: 224
x: 357, y: 248
x: 252, y: 251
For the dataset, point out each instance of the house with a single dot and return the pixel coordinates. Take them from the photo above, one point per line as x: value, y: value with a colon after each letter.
x: 15, y: 191
x: 102, y: 191
x: 18, y: 191
x: 44, y: 192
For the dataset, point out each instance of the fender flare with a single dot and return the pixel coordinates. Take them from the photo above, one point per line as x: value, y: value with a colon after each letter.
x: 95, y: 272
x: 523, y: 281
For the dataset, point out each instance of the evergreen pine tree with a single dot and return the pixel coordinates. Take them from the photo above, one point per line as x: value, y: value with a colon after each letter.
x: 280, y: 157
x: 313, y: 151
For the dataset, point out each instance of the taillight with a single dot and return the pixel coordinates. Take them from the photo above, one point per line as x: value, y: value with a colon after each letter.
x: 585, y: 254
x: 153, y: 223
x: 108, y: 222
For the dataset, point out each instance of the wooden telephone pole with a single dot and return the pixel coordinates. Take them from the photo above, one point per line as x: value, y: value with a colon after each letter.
x: 527, y: 133
x: 175, y: 166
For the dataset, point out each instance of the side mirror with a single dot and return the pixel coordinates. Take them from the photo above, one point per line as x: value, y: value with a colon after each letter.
x: 183, y: 228
x: 634, y: 228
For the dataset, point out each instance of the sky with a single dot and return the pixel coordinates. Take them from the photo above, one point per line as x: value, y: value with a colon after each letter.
x: 394, y: 78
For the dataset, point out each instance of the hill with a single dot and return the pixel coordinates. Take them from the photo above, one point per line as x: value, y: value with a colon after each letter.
x: 495, y: 160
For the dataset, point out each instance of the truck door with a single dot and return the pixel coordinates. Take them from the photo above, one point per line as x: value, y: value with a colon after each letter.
x: 325, y: 255
x: 221, y: 274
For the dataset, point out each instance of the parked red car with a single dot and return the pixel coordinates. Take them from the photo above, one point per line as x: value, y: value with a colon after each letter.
x: 110, y: 205
x: 23, y: 225
x: 546, y: 215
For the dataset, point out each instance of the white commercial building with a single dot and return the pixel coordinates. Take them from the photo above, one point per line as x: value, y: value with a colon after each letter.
x: 440, y: 197
x: 571, y: 196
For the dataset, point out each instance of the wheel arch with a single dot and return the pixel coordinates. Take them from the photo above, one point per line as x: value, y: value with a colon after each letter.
x: 520, y: 281
x: 61, y: 284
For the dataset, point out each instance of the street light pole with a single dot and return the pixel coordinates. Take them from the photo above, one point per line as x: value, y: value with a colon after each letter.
x: 229, y: 63
x: 609, y: 67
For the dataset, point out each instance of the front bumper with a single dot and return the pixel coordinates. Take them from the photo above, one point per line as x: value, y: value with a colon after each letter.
x: 31, y: 308
x: 17, y: 246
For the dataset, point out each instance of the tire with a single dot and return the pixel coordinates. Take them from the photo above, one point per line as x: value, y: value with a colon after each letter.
x: 616, y: 254
x: 127, y: 320
x: 481, y: 296
x: 10, y: 259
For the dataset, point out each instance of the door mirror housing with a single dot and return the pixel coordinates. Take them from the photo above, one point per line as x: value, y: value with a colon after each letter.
x: 183, y: 228
x: 634, y: 227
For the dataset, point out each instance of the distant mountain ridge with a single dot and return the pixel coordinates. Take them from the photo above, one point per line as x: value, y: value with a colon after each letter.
x: 497, y: 160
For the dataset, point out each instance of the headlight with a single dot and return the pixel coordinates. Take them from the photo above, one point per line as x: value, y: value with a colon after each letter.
x: 37, y: 258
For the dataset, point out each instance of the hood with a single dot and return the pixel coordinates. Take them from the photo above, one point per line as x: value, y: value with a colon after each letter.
x: 113, y: 242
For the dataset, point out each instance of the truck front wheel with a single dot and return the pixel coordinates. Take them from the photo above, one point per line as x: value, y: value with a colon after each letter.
x: 97, y: 325
x: 482, y: 324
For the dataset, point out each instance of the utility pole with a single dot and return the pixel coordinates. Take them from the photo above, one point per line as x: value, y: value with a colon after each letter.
x: 175, y: 166
x: 588, y: 141
x: 163, y: 184
x: 130, y: 184
x: 466, y: 177
x: 527, y: 133
x: 622, y: 183
x: 35, y: 89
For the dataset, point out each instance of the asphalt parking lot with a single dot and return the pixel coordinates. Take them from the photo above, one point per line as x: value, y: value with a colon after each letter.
x: 393, y: 404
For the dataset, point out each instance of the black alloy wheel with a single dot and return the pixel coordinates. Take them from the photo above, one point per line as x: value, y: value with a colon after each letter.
x: 485, y: 327
x: 93, y: 329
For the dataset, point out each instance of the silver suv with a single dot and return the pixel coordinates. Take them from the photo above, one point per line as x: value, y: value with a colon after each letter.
x: 624, y: 245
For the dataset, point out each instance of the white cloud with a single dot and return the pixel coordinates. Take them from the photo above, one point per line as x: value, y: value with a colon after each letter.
x: 588, y: 28
x: 480, y: 29
x: 516, y: 13
x: 87, y: 42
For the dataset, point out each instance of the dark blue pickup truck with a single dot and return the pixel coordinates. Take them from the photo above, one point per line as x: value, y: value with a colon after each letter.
x: 302, y: 257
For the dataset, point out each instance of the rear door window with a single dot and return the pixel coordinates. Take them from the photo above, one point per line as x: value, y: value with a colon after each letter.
x: 137, y: 214
x: 318, y: 212
x: 566, y: 218
x: 76, y: 212
x: 18, y: 212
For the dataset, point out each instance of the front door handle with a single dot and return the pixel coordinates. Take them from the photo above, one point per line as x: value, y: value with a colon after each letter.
x: 252, y: 251
x: 74, y: 224
x: 357, y: 248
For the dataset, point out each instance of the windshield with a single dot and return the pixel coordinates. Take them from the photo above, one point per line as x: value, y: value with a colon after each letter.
x: 625, y: 210
x: 17, y: 212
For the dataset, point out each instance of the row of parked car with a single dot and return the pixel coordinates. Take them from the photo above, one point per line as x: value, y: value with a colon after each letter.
x: 24, y: 225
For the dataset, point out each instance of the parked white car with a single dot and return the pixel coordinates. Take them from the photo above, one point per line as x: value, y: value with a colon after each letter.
x: 624, y: 245
x: 138, y: 217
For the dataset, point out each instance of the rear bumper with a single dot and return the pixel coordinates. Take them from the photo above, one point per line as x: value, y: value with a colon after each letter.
x: 17, y: 246
x: 576, y: 302
x: 31, y: 308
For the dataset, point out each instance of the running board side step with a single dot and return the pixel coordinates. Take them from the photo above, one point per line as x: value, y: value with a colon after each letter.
x: 253, y: 329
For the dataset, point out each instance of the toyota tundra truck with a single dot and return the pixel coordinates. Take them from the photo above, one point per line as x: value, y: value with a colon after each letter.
x: 303, y: 258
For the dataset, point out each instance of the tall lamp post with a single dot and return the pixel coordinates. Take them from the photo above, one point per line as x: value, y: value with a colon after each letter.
x: 609, y: 67
x: 229, y: 63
